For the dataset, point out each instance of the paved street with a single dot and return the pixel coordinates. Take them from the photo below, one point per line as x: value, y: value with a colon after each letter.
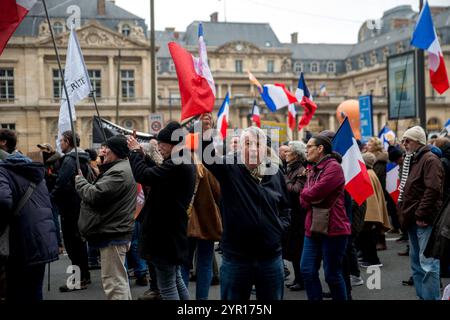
x: 395, y: 269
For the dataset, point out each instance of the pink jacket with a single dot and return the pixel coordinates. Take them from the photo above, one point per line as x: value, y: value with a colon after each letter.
x: 325, y: 189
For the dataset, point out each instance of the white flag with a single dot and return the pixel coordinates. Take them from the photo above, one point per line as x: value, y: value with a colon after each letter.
x: 77, y: 82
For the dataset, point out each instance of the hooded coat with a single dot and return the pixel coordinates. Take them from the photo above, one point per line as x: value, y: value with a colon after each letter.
x: 33, y: 233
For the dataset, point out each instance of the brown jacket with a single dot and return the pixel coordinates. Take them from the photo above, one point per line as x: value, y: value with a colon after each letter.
x: 376, y: 205
x: 205, y: 221
x: 422, y: 196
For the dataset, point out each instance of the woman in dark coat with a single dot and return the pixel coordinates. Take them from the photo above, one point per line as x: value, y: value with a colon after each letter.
x: 295, y: 181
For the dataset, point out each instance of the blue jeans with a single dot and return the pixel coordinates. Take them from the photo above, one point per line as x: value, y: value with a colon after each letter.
x: 170, y: 283
x: 237, y: 278
x: 425, y: 270
x: 331, y: 250
x: 133, y: 257
x: 205, y: 252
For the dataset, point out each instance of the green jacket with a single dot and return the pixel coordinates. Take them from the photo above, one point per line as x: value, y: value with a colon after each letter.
x: 108, y: 205
x: 3, y: 154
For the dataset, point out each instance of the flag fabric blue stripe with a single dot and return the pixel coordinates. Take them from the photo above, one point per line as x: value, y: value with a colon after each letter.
x: 269, y: 102
x: 200, y: 30
x: 224, y: 103
x: 341, y: 141
x: 424, y: 35
x: 302, y: 85
x: 390, y: 166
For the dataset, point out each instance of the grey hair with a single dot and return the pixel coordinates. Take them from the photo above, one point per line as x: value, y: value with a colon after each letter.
x: 152, y: 151
x: 299, y: 148
x: 254, y: 131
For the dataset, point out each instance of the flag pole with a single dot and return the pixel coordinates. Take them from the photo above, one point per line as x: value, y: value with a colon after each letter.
x: 64, y: 86
x: 98, y: 116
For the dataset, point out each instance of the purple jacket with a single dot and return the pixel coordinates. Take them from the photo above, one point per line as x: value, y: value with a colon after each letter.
x: 325, y: 189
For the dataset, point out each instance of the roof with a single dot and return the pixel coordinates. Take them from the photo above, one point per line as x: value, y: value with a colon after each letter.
x: 219, y: 33
x: 162, y: 38
x: 58, y: 9
x: 320, y: 51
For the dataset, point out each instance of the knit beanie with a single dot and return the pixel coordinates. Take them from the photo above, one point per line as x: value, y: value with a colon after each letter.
x: 118, y: 145
x: 416, y: 134
x: 369, y: 159
x: 165, y: 135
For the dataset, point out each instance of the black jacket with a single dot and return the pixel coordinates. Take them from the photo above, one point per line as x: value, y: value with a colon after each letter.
x: 254, y: 214
x: 33, y: 233
x: 64, y: 194
x: 164, y: 216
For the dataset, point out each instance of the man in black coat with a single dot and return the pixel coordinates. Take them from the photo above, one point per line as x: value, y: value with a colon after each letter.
x: 165, y: 214
x: 68, y: 202
x: 32, y: 234
x: 255, y: 214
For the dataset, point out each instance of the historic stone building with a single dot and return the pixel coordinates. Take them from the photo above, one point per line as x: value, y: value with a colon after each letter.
x: 30, y: 84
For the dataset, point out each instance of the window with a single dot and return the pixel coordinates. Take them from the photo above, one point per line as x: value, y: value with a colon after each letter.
x: 57, y: 84
x: 348, y: 65
x: 384, y: 91
x: 58, y: 27
x: 361, y: 62
x: 314, y: 67
x: 270, y: 66
x: 331, y: 67
x: 6, y: 84
x: 96, y: 82
x: 298, y: 67
x: 9, y: 126
x: 171, y: 66
x: 238, y: 65
x: 126, y: 30
x: 127, y: 84
x: 158, y: 66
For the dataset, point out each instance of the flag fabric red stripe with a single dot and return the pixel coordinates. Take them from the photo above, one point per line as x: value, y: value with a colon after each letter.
x: 439, y: 78
x: 360, y: 187
x: 257, y: 120
x: 11, y: 16
x: 196, y: 95
x: 291, y: 121
x: 224, y: 127
x: 309, y: 110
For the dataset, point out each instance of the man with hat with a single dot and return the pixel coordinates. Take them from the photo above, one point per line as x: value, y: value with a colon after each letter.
x: 107, y: 215
x: 419, y: 201
x: 165, y: 213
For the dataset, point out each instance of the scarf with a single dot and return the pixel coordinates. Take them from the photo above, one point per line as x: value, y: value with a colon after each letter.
x: 405, y: 173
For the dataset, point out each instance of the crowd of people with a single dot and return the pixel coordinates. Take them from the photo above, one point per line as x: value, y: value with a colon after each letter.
x: 263, y: 206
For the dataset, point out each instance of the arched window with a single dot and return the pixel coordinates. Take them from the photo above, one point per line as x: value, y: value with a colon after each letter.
x: 58, y: 27
x: 298, y: 67
x: 331, y: 67
x: 315, y: 67
x: 126, y: 30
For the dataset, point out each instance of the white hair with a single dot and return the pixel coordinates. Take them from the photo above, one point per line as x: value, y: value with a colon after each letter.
x: 299, y: 148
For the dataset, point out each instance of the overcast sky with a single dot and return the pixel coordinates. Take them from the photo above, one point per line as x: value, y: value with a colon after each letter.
x: 316, y: 21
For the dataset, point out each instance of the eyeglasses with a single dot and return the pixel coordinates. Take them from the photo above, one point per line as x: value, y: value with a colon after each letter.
x: 406, y: 140
x: 310, y: 146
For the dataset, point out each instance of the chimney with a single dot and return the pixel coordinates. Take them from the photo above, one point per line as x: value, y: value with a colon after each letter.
x: 294, y: 38
x: 101, y: 10
x: 214, y: 17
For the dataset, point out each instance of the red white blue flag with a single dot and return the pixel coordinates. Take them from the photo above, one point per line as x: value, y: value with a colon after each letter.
x: 223, y: 117
x: 357, y: 181
x: 425, y: 38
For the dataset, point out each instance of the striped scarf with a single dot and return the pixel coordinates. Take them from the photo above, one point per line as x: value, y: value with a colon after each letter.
x: 405, y: 173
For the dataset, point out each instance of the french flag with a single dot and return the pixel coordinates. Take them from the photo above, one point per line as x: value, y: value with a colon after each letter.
x: 292, y: 113
x: 393, y: 180
x: 222, y: 117
x: 195, y: 81
x: 424, y: 37
x: 304, y: 97
x: 276, y: 96
x: 386, y: 135
x: 256, y: 116
x: 357, y: 181
x: 447, y: 126
x: 11, y: 15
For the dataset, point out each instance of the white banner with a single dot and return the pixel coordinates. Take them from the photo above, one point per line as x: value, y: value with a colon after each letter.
x: 77, y: 82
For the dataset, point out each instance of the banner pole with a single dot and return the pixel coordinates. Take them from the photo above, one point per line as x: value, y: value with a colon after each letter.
x: 74, y: 140
x: 98, y: 115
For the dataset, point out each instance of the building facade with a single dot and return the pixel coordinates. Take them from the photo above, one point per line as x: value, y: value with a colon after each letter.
x: 30, y: 84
